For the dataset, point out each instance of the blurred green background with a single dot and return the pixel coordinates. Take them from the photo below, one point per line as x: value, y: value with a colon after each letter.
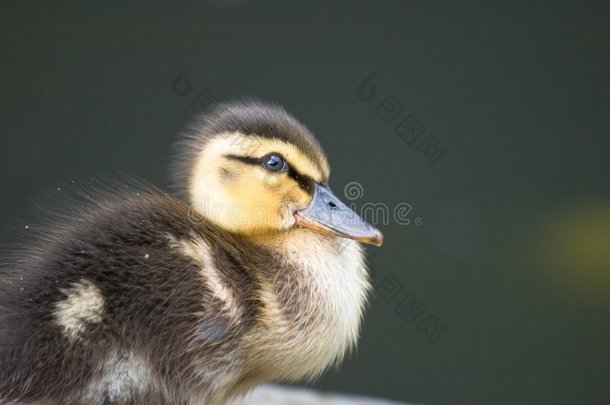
x: 498, y: 289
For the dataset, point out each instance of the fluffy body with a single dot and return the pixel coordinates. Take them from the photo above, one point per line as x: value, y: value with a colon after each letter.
x: 178, y: 310
x: 136, y: 297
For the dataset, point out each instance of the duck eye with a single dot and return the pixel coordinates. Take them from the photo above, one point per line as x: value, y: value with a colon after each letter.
x: 274, y: 163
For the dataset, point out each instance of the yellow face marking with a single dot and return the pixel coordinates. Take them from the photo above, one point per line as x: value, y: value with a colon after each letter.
x: 256, y: 146
x: 246, y: 198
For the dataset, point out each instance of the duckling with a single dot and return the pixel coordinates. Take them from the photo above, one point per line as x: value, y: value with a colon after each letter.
x: 254, y: 273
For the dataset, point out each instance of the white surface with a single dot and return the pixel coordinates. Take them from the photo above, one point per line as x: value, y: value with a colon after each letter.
x: 279, y: 395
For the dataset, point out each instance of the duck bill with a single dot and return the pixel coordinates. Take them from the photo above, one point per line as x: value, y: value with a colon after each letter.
x: 328, y: 215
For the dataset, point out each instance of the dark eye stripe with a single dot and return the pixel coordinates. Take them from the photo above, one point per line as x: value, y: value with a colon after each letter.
x: 246, y: 159
x: 305, y: 182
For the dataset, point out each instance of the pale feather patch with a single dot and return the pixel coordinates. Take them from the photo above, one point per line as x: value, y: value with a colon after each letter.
x: 173, y: 241
x: 122, y: 377
x: 84, y: 304
x: 200, y: 251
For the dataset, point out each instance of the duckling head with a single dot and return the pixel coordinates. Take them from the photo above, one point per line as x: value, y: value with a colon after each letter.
x: 253, y: 169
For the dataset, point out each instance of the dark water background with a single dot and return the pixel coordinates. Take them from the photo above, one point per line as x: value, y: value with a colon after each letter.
x: 484, y: 126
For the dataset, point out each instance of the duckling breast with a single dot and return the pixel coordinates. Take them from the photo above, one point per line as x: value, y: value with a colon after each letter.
x: 313, y: 305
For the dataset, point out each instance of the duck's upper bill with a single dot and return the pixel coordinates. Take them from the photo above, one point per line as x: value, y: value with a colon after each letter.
x: 327, y: 214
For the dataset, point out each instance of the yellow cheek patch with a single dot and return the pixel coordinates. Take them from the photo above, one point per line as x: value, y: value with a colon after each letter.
x: 294, y: 193
x: 265, y: 195
x: 243, y: 197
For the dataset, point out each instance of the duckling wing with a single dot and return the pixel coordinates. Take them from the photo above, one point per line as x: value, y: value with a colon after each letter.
x: 127, y: 299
